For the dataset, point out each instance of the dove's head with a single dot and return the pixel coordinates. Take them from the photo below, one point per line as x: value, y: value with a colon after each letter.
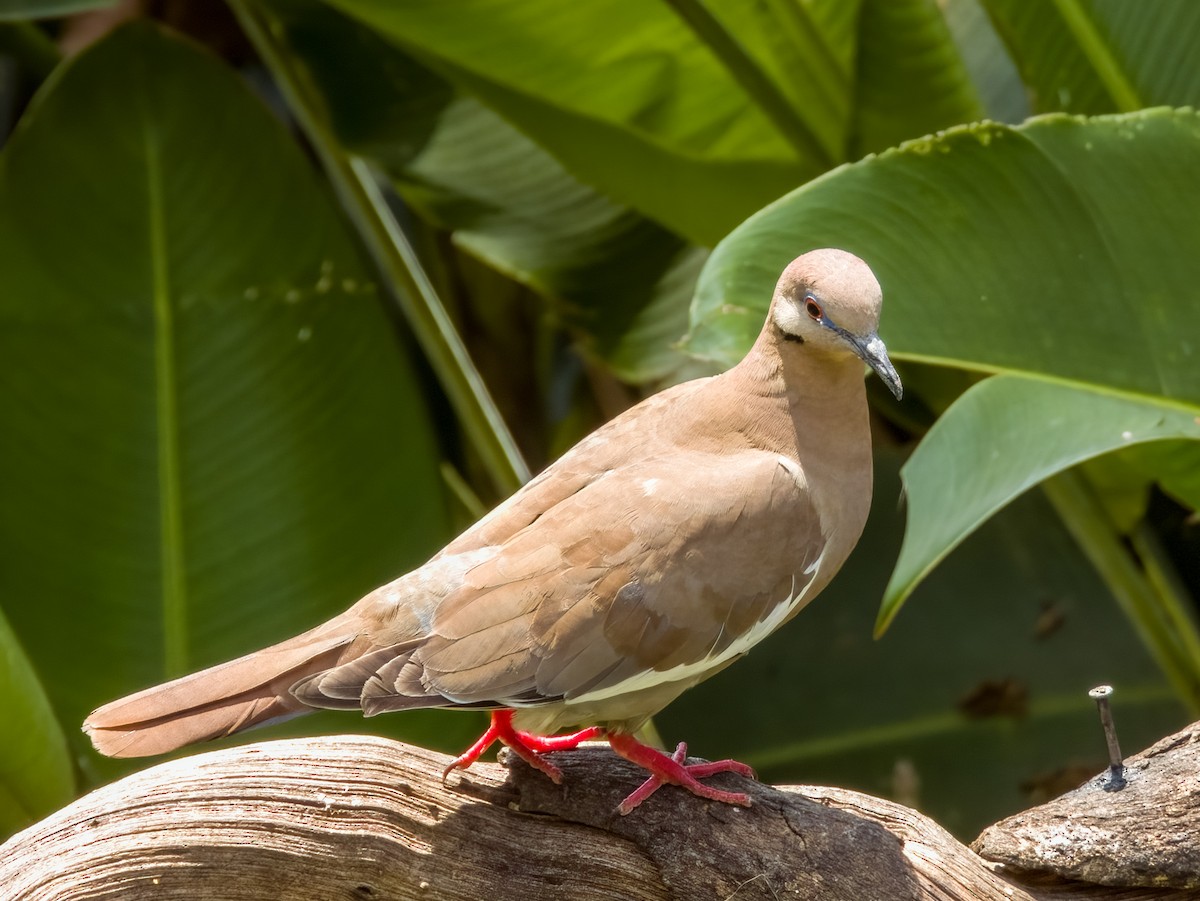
x: 829, y: 300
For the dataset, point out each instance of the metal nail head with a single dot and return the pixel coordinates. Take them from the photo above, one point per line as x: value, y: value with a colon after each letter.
x: 1116, y: 764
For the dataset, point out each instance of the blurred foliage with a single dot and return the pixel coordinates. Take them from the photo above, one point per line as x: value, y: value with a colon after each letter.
x: 261, y: 353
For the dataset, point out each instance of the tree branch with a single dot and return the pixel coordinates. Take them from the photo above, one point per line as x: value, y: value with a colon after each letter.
x: 356, y: 817
x: 1143, y: 834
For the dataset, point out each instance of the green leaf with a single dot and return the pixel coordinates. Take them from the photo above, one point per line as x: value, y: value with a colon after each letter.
x: 217, y: 436
x: 682, y: 118
x: 1120, y: 487
x: 1099, y: 56
x: 999, y: 439
x: 35, y: 769
x: 510, y: 204
x: 783, y: 37
x: 1139, y: 575
x: 1046, y: 249
x: 874, y: 72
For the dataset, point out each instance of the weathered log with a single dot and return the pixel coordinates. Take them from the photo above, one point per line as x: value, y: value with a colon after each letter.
x: 355, y: 817
x: 1146, y: 833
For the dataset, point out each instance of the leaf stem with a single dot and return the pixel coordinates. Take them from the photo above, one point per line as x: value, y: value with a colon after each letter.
x: 796, y: 21
x: 170, y: 500
x: 30, y: 47
x: 1149, y: 612
x: 1099, y: 53
x: 428, y: 317
x: 1174, y: 599
x: 756, y: 83
x: 828, y: 83
x: 405, y: 278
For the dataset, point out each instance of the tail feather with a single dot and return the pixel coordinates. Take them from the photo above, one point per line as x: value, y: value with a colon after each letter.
x: 215, y: 702
x: 342, y: 686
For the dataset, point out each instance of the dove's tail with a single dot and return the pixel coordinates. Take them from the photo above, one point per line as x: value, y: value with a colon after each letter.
x: 219, y: 701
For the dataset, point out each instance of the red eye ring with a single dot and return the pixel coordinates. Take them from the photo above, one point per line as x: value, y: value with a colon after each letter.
x: 813, y: 309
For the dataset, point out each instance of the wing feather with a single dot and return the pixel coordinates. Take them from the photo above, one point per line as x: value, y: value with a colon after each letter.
x: 630, y: 589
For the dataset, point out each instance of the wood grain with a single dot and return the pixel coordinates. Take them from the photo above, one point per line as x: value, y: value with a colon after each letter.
x: 1144, y: 834
x: 356, y: 818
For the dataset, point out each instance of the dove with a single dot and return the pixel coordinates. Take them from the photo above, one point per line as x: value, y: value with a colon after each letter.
x: 649, y: 557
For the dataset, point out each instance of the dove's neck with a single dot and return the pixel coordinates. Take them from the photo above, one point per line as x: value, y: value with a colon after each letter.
x: 805, y: 392
x: 811, y: 407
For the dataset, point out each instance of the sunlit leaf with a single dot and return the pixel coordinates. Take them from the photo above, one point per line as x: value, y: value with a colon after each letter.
x: 910, y: 79
x: 1037, y: 249
x: 214, y: 438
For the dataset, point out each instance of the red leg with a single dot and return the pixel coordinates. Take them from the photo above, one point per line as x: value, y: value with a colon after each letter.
x: 526, y: 745
x: 672, y: 770
x: 560, y: 742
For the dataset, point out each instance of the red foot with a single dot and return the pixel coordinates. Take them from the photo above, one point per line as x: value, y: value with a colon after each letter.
x: 673, y: 771
x: 526, y: 745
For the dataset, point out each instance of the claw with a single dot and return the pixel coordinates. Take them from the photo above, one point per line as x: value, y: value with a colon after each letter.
x: 526, y: 745
x: 672, y: 770
x: 663, y: 769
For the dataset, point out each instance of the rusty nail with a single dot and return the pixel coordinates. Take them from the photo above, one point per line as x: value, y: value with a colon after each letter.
x: 1116, y: 766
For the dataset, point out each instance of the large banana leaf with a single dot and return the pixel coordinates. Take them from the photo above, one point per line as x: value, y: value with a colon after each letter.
x: 1049, y: 250
x: 683, y: 113
x: 213, y: 434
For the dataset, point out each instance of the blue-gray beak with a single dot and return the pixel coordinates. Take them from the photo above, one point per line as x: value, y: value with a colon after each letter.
x: 874, y: 354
